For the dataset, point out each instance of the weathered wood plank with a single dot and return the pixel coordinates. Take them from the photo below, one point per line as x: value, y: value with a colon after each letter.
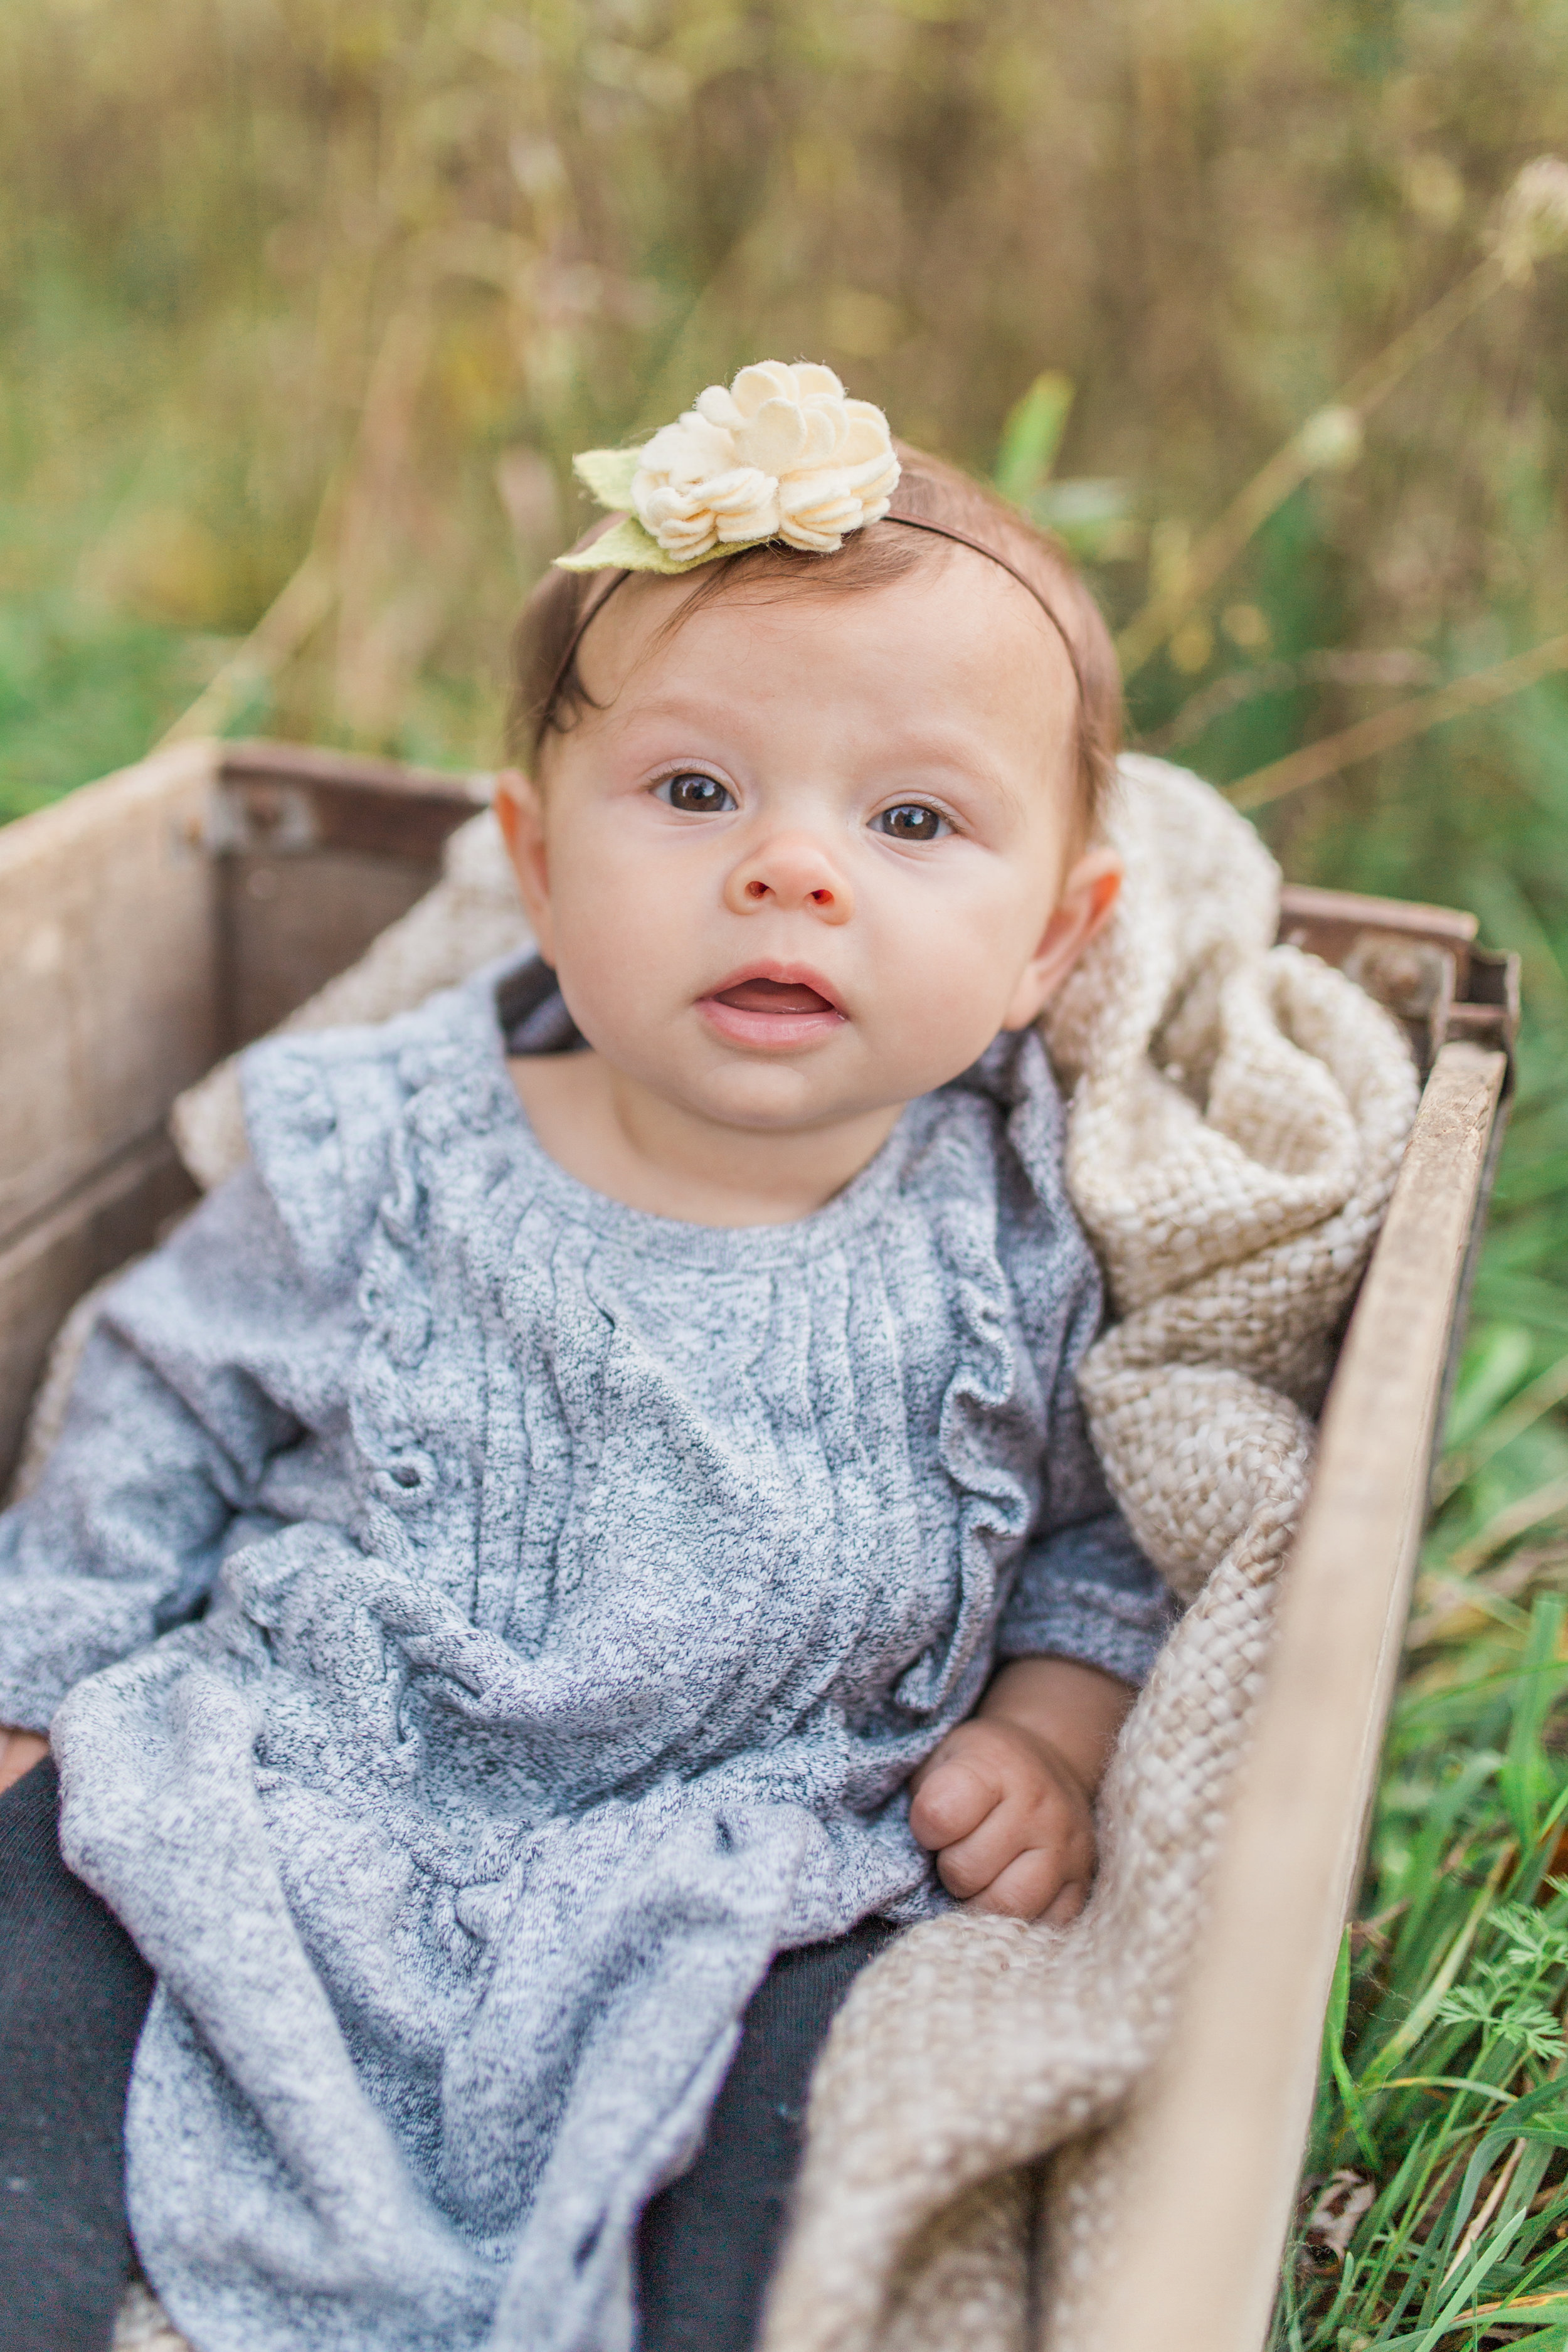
x: 42, y: 1274
x: 120, y: 992
x: 256, y: 761
x: 1219, y: 2133
x: 108, y: 944
x: 1317, y: 920
x: 290, y: 924
x: 135, y: 952
x: 290, y: 798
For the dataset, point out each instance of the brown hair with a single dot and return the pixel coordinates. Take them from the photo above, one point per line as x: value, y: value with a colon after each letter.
x: 548, y: 693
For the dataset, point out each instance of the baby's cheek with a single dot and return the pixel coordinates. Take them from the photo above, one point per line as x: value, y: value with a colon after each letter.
x: 928, y: 1026
x: 947, y: 977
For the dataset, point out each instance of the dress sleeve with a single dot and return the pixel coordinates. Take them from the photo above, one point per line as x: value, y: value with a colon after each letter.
x: 1086, y: 1591
x: 1083, y: 1589
x: 209, y: 1359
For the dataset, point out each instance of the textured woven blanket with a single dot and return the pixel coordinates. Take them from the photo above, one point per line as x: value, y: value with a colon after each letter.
x: 1236, y: 1121
x: 1237, y: 1114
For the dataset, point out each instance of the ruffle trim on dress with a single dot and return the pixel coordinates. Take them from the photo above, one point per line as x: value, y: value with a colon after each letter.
x: 321, y: 1110
x: 1014, y: 1078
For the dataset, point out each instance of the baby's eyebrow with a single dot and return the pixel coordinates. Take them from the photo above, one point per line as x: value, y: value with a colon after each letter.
x: 948, y: 749
x: 925, y: 759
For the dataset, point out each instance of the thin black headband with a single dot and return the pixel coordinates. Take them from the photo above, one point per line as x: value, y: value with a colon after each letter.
x: 910, y: 523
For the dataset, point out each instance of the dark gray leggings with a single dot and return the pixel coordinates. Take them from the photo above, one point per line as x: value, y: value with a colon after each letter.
x: 74, y: 1990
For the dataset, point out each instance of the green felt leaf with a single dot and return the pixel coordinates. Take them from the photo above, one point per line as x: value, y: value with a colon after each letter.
x: 608, y: 474
x: 628, y: 547
x: 625, y: 547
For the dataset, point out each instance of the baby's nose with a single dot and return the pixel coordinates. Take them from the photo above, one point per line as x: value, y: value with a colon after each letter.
x: 791, y: 872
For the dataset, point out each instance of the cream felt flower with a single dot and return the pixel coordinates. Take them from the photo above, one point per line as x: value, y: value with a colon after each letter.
x: 781, y: 454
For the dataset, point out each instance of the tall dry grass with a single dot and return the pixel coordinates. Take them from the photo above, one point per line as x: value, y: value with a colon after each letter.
x: 362, y: 274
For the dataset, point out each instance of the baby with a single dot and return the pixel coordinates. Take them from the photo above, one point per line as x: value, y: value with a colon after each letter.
x: 601, y: 1501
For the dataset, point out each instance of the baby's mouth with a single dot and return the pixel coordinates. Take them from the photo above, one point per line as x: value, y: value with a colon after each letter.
x: 773, y: 996
x: 778, y: 1015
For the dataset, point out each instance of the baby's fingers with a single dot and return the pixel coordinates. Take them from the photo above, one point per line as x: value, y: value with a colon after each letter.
x: 971, y: 1866
x: 1032, y: 1887
x: 1023, y: 1858
x: 951, y: 1802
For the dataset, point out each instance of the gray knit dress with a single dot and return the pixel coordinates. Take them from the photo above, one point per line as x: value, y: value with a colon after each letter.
x: 496, y: 1622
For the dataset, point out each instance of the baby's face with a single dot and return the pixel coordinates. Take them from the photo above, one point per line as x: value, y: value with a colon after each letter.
x: 811, y: 856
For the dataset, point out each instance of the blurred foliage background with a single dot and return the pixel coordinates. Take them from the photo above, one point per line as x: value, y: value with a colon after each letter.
x: 306, y: 304
x: 362, y: 274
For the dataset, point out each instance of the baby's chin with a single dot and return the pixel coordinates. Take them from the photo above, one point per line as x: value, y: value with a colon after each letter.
x: 827, y: 1087
x: 776, y: 1100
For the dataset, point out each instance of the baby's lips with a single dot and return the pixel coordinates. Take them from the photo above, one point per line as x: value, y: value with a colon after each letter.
x: 773, y: 996
x: 779, y: 989
x: 762, y: 1013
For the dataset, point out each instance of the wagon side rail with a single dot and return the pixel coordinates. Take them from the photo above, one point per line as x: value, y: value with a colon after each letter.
x: 149, y: 923
x: 1216, y: 2136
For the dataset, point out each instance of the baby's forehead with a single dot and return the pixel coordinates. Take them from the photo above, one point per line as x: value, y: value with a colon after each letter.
x: 917, y: 685
x: 938, y: 611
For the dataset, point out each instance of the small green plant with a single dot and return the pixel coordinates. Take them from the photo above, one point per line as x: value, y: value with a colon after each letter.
x: 1503, y: 1996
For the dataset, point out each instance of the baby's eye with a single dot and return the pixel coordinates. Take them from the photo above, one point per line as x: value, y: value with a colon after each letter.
x: 696, y: 795
x: 911, y: 821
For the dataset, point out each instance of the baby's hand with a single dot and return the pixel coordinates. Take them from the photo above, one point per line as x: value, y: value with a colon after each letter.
x: 1009, y: 1821
x: 1006, y: 1802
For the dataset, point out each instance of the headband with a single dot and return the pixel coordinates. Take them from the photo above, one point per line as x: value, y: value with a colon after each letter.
x: 782, y: 454
x: 911, y: 522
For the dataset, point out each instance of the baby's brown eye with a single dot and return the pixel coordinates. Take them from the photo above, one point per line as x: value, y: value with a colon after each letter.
x: 696, y: 795
x: 912, y: 822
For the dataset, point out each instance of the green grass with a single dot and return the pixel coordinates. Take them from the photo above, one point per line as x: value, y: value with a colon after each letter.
x: 81, y: 694
x: 1441, y: 2101
x: 1443, y: 2098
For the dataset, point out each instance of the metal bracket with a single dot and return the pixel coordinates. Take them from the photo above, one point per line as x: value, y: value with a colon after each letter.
x: 1412, y: 978
x: 1422, y: 963
x: 249, y: 820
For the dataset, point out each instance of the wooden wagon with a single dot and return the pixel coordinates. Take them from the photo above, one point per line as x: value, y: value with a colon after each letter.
x: 151, y: 923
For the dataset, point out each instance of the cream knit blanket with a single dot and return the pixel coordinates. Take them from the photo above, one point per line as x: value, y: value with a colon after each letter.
x: 1237, y: 1116
x: 1237, y: 1119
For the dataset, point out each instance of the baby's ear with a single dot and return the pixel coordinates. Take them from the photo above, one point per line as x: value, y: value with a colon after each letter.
x: 519, y: 812
x: 1087, y: 895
